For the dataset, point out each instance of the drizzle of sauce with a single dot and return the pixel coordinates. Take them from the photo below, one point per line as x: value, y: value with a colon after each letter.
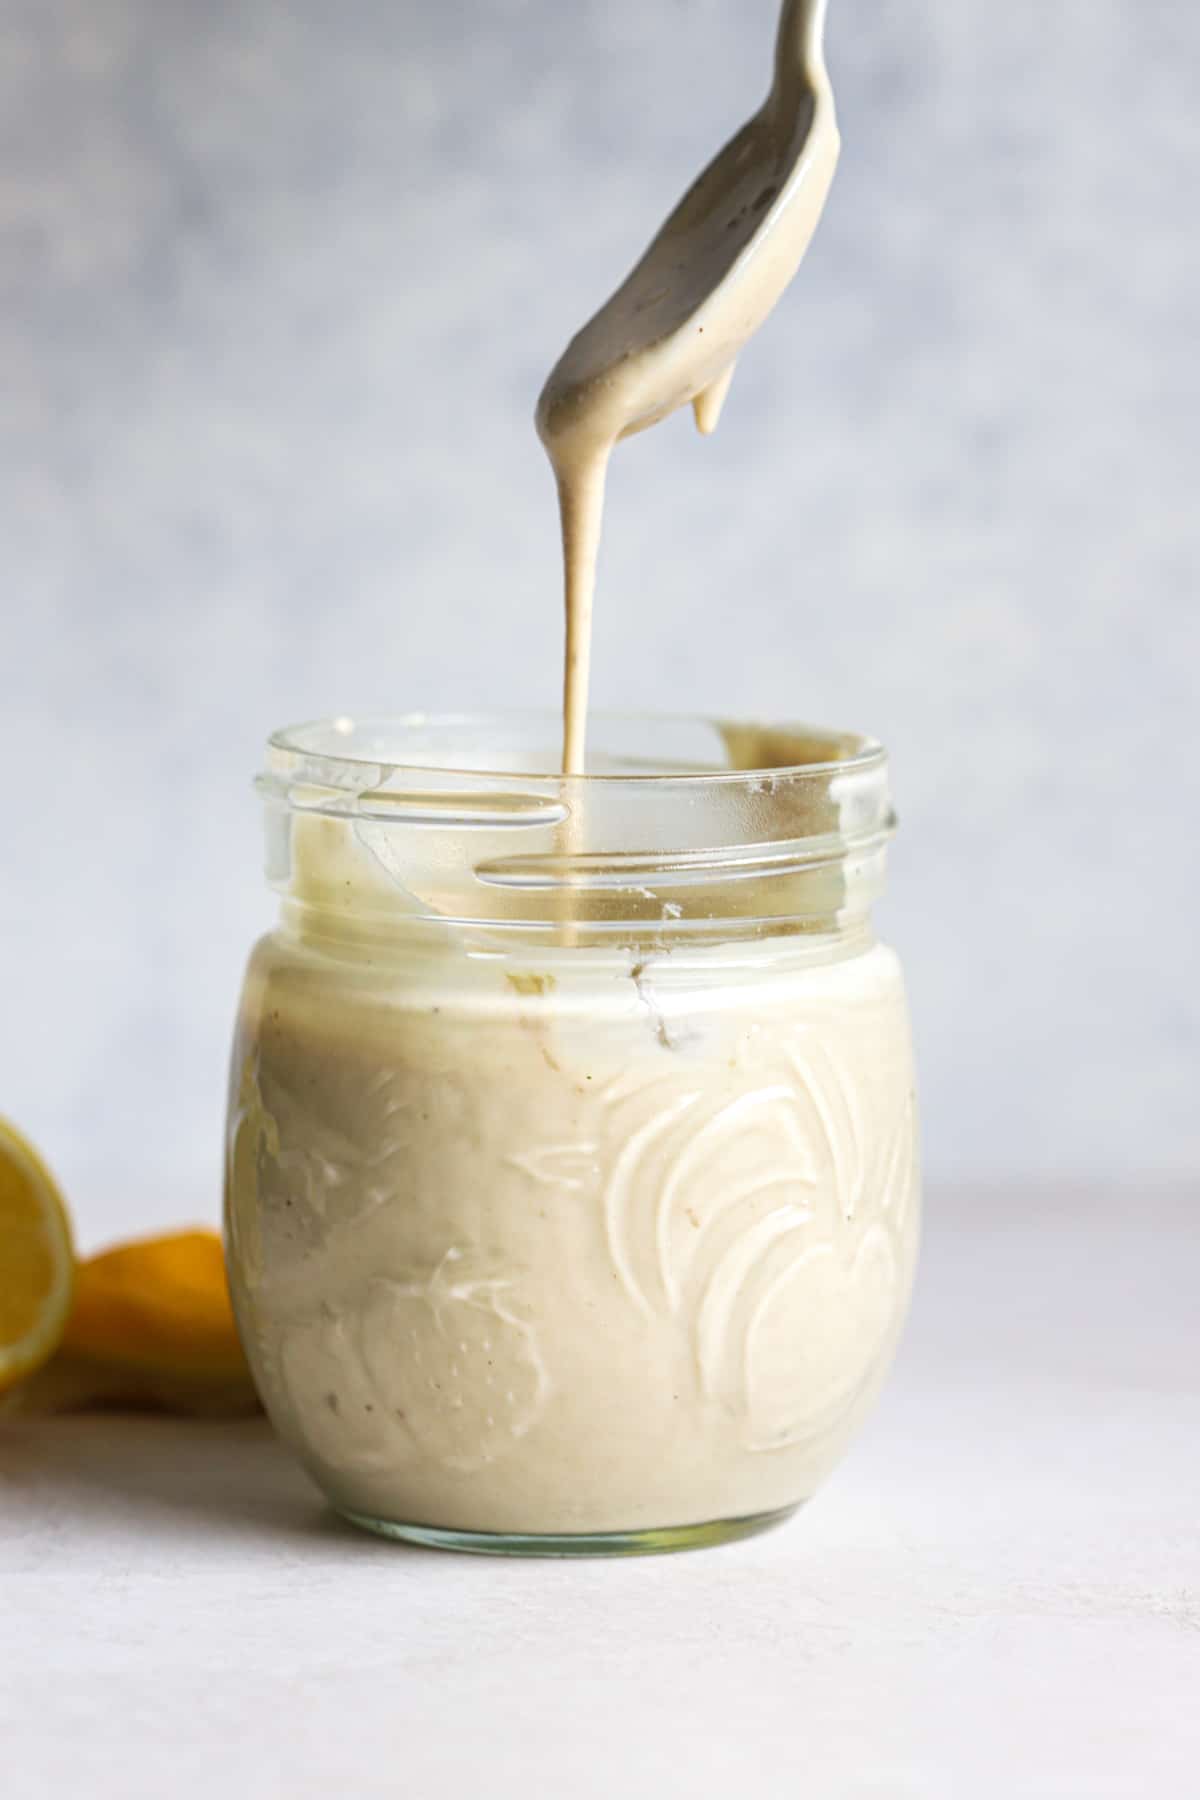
x: 671, y: 333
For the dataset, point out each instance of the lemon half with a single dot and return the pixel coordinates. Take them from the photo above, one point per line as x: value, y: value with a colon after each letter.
x: 37, y: 1260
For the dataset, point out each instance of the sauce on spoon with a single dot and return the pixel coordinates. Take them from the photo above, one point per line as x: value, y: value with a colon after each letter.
x: 672, y: 331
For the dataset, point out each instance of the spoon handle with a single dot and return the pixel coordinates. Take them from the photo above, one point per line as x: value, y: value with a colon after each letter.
x: 800, y: 44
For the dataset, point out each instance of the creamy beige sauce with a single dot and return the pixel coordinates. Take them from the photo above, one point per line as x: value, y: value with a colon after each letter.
x: 672, y: 331
x: 564, y: 1240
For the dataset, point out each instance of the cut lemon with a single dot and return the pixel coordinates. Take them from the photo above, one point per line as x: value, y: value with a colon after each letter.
x: 37, y: 1260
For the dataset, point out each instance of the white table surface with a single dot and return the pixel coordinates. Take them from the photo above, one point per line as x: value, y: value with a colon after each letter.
x: 998, y: 1594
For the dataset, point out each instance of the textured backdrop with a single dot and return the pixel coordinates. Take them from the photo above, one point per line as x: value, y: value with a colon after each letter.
x: 281, y: 280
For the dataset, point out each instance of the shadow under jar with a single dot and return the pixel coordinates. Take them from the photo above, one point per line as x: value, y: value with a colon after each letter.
x: 572, y: 1197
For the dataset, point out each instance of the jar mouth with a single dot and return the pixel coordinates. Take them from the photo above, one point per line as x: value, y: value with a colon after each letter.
x: 524, y: 745
x: 680, y: 823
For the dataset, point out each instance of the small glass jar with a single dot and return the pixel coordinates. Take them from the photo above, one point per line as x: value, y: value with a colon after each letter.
x: 572, y: 1191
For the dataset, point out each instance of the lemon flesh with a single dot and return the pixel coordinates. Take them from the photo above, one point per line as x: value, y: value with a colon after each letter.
x: 37, y: 1262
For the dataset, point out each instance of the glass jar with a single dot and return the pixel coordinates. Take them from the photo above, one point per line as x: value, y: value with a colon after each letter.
x: 572, y: 1193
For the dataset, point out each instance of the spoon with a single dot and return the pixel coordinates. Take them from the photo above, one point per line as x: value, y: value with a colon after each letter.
x: 672, y: 331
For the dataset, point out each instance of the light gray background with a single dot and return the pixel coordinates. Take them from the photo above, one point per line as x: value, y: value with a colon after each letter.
x: 281, y: 280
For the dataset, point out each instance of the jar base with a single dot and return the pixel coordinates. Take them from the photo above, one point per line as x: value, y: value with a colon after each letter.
x: 583, y: 1543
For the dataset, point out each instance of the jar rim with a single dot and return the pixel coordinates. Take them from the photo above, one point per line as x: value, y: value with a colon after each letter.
x: 683, y: 823
x: 342, y: 746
